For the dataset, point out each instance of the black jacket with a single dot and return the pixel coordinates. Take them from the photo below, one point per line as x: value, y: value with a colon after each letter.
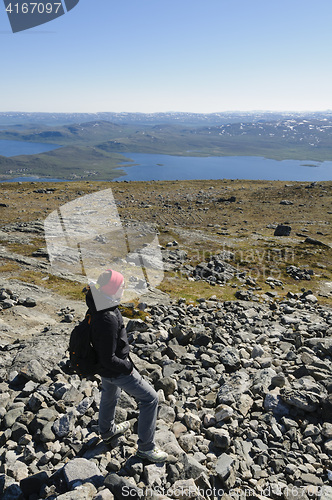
x: 109, y: 338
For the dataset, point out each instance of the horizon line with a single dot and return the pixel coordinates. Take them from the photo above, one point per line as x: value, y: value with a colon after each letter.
x: 171, y: 112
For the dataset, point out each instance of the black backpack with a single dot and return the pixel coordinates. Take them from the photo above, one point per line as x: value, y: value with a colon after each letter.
x: 82, y: 355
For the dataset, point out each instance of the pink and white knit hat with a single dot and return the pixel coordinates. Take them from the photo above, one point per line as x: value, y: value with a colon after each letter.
x: 114, y: 283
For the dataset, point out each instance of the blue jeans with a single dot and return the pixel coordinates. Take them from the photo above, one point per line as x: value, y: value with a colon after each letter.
x: 146, y: 397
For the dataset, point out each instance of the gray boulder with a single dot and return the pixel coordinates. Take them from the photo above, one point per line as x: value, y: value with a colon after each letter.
x: 80, y: 470
x: 282, y: 230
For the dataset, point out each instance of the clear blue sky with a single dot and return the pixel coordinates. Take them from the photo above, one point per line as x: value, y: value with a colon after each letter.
x: 175, y: 55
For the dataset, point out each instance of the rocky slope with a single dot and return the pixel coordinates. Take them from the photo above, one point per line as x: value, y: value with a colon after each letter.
x: 245, y: 403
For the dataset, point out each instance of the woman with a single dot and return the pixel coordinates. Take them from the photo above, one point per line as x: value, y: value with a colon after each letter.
x: 109, y: 338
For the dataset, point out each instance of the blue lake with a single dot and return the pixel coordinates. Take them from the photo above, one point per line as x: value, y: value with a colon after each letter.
x: 15, y: 148
x: 147, y: 167
x: 165, y: 167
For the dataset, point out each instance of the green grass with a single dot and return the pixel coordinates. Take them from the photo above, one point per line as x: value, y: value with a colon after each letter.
x: 61, y: 286
x: 25, y: 249
x: 8, y: 266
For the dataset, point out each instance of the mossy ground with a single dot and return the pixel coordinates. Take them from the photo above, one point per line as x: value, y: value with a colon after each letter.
x: 198, y: 215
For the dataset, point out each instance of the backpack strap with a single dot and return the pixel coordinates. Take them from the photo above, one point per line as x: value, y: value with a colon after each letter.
x: 89, y: 314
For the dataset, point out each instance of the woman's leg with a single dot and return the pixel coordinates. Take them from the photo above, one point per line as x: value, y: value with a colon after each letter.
x: 110, y: 394
x: 147, y: 398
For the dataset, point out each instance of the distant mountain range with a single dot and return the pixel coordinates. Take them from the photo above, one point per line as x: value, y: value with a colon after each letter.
x: 32, y: 119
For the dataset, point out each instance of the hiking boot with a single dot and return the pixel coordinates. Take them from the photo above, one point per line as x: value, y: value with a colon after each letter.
x: 119, y: 429
x: 156, y: 455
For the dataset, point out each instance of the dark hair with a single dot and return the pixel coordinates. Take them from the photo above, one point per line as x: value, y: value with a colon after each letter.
x: 104, y: 278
